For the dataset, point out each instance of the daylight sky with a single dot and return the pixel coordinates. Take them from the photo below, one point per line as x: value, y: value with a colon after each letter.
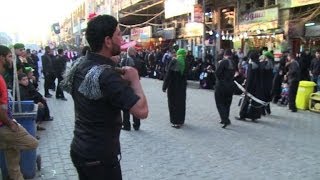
x: 31, y: 19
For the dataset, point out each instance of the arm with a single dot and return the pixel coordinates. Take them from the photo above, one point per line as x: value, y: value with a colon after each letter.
x: 4, y: 117
x: 140, y: 109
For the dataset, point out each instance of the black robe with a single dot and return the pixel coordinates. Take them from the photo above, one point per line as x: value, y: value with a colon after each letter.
x: 249, y: 108
x: 176, y: 85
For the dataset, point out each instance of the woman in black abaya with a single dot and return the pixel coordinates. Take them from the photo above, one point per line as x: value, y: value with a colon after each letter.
x: 175, y: 83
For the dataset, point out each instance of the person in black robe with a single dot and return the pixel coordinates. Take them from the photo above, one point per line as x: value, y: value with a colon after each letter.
x: 175, y: 84
x: 249, y: 108
x: 224, y: 87
x: 266, y: 70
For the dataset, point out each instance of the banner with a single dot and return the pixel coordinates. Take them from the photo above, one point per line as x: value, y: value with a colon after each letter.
x: 261, y: 19
x: 178, y: 7
x: 142, y: 34
x: 198, y: 13
x: 193, y: 29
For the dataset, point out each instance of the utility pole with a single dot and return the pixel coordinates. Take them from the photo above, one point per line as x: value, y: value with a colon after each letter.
x: 204, y: 30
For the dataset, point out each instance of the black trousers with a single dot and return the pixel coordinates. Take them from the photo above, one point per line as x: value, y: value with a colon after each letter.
x: 223, y: 95
x: 293, y: 88
x: 48, y: 81
x: 43, y: 114
x: 126, y: 120
x: 59, y: 91
x: 92, y: 169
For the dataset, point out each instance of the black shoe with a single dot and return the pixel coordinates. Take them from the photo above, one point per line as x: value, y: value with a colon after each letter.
x: 48, y: 118
x: 48, y: 95
x: 135, y: 127
x: 39, y: 128
x: 226, y: 124
x: 177, y: 126
x: 126, y: 128
x: 254, y: 120
x: 239, y: 118
x: 293, y: 110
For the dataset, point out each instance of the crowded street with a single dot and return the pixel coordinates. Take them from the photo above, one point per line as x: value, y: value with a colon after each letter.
x: 160, y: 90
x: 279, y: 146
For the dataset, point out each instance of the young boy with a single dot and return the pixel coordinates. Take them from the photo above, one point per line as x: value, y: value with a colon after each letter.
x: 31, y: 77
x: 28, y: 92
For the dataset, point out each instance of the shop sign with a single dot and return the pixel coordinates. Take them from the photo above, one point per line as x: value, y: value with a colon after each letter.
x: 254, y: 20
x: 168, y: 33
x: 178, y: 7
x: 313, y: 31
x: 142, y: 34
x: 296, y: 3
x: 193, y: 29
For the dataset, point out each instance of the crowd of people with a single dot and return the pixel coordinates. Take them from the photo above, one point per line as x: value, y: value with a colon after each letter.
x: 104, y: 82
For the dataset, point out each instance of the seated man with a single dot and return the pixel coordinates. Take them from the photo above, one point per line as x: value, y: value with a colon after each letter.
x: 28, y: 92
x: 13, y: 137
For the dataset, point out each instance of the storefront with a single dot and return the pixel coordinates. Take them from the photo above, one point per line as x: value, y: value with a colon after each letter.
x: 142, y: 36
x: 259, y: 29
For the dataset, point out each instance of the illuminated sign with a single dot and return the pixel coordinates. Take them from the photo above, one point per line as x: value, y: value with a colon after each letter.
x: 142, y: 34
x: 193, y: 29
x: 261, y: 19
x: 178, y: 7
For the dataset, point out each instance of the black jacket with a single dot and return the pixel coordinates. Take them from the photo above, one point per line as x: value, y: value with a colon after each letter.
x: 47, y: 63
x: 59, y: 65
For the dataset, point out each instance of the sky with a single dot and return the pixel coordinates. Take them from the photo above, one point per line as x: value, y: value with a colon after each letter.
x: 32, y: 19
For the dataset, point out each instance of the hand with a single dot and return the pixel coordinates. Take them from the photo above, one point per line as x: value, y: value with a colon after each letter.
x: 40, y: 105
x: 164, y: 90
x: 130, y: 74
x: 13, y: 125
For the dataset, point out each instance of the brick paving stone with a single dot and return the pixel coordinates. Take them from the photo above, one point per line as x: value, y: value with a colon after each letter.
x: 282, y: 145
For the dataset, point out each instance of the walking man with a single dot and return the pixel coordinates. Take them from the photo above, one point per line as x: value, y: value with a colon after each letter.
x: 224, y: 87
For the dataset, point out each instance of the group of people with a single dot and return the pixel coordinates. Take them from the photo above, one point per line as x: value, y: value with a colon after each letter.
x: 103, y: 85
x: 13, y: 136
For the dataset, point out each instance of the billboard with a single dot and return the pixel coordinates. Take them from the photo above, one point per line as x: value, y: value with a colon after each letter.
x: 261, y: 19
x: 178, y: 7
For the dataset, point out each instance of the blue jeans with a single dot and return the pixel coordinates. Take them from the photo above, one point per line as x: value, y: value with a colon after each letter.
x: 317, y: 81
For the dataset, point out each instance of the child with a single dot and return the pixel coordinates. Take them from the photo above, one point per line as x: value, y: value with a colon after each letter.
x: 31, y: 77
x: 28, y: 92
x: 284, y: 94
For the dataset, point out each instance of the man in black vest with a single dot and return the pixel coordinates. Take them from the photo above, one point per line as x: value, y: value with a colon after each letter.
x: 100, y: 91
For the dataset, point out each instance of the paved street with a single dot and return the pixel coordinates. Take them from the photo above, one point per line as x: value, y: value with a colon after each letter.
x: 283, y: 145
